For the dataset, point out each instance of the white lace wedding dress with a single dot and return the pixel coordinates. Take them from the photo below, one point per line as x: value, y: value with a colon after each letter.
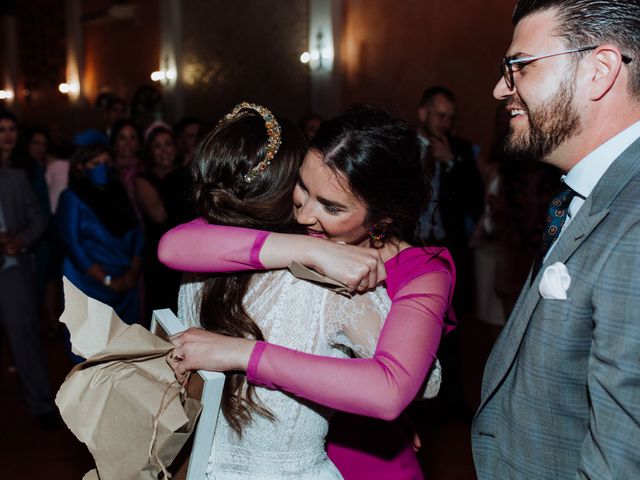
x: 308, y: 318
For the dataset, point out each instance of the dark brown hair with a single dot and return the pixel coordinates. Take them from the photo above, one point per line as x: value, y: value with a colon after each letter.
x: 223, y: 197
x: 584, y: 23
x: 380, y: 156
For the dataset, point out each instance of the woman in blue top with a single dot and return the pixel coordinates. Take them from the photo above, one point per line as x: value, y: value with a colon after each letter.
x: 101, y: 235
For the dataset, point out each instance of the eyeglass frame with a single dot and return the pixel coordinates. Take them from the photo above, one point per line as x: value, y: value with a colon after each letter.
x: 506, y: 66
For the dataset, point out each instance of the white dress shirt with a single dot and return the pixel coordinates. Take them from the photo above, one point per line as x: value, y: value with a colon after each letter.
x: 586, y: 174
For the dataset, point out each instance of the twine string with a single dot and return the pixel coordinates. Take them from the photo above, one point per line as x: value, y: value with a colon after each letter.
x: 153, y: 455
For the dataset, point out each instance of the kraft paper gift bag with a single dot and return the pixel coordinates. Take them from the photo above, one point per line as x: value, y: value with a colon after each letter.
x: 123, y: 402
x: 300, y: 271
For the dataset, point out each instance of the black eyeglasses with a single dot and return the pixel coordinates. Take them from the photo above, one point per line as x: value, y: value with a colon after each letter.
x: 515, y: 64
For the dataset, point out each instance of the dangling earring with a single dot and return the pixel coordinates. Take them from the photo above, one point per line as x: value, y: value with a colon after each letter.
x: 376, y: 233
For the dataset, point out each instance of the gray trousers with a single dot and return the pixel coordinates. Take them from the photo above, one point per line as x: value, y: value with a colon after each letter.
x: 19, y: 321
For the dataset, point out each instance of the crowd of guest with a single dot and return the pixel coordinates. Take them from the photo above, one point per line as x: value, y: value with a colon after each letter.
x: 104, y: 201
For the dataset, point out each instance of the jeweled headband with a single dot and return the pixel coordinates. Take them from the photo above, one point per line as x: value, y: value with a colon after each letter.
x: 273, y: 130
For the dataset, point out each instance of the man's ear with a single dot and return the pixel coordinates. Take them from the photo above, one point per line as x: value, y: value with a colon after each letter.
x: 604, y: 70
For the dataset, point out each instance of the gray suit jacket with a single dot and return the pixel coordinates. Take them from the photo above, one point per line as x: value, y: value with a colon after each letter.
x: 21, y: 210
x: 561, y: 389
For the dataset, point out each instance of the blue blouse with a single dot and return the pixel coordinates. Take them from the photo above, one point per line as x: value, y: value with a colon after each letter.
x: 86, y: 242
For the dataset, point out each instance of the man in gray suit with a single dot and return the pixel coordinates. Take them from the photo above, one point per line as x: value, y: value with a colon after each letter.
x: 561, y: 389
x: 22, y: 222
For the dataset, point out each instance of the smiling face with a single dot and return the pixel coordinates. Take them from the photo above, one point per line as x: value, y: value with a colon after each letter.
x: 325, y: 205
x: 542, y: 104
x: 127, y: 143
x: 163, y: 150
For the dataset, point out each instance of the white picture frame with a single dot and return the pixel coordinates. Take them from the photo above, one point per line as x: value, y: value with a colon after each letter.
x: 207, y: 388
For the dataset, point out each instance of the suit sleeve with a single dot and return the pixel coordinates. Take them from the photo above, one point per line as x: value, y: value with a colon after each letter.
x: 37, y: 218
x: 610, y: 449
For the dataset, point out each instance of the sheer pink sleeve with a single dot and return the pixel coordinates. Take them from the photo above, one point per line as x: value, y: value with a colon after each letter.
x: 420, y: 286
x: 198, y: 246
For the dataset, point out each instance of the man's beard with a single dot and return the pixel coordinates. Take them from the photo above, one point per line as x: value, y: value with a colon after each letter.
x: 549, y: 126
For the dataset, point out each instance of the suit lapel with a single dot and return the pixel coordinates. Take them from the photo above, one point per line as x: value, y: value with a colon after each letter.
x: 594, y: 210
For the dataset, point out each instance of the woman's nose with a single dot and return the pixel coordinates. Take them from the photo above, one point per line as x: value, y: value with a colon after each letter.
x: 304, y: 213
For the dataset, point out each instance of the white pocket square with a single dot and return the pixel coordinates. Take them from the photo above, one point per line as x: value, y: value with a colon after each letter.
x: 555, y: 282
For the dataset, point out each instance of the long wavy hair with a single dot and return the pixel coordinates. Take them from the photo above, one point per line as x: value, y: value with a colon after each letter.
x: 223, y: 197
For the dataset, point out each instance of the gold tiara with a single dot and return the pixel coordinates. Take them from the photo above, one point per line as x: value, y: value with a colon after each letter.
x: 273, y: 130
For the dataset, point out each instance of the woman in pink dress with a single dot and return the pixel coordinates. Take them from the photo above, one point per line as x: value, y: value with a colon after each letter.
x: 361, y: 184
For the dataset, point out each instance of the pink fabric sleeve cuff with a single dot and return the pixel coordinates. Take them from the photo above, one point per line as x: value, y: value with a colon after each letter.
x: 254, y: 256
x: 254, y: 362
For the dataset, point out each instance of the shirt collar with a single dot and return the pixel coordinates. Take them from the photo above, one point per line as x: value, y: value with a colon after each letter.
x: 584, y: 176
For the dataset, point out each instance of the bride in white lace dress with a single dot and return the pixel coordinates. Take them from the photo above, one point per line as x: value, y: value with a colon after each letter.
x: 308, y: 318
x: 244, y: 174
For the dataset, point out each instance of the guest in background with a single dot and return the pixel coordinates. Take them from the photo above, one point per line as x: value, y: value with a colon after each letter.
x: 115, y: 109
x: 126, y: 142
x: 155, y: 191
x: 8, y: 137
x: 309, y: 125
x: 56, y: 171
x: 22, y: 222
x: 100, y: 233
x: 48, y: 253
x: 449, y: 220
x: 188, y: 132
x: 509, y: 231
x: 457, y: 190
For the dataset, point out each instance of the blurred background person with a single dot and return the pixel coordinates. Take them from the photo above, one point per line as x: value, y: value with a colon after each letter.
x: 22, y: 223
x: 309, y: 125
x: 56, y: 170
x: 458, y: 192
x: 8, y: 138
x: 48, y: 252
x: 126, y: 142
x: 508, y: 234
x: 156, y: 194
x: 100, y: 232
x: 457, y: 197
x: 188, y: 131
x: 115, y: 108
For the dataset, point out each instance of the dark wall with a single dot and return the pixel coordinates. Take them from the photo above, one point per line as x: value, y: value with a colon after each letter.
x: 245, y: 50
x: 392, y: 50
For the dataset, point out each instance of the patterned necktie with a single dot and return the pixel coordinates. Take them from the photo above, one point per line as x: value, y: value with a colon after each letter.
x: 556, y: 216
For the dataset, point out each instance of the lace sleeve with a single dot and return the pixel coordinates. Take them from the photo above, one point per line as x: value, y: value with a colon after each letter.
x: 355, y: 323
x: 189, y: 299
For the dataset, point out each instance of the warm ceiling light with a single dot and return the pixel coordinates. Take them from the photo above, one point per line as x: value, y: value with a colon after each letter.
x: 67, y: 88
x: 305, y: 57
x: 158, y: 76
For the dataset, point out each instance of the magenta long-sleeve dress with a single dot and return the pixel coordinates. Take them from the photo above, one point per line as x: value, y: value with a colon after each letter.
x: 420, y: 284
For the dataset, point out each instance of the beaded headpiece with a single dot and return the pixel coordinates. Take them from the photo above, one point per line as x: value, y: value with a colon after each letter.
x: 273, y: 130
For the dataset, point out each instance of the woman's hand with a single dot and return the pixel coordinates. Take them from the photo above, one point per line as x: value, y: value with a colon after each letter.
x: 359, y: 268
x: 199, y: 349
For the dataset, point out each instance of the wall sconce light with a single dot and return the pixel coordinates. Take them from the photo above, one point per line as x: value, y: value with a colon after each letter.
x: 320, y: 57
x: 6, y: 95
x: 164, y: 76
x: 69, y: 88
